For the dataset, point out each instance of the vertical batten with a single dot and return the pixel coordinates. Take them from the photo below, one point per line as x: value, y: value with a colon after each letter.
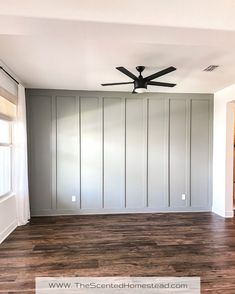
x: 167, y: 152
x: 80, y: 155
x: 124, y: 106
x: 78, y: 176
x: 188, y: 154
x: 54, y: 151
x: 147, y: 154
x: 102, y: 134
x: 145, y: 150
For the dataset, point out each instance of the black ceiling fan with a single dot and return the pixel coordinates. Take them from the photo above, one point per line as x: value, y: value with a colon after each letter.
x: 141, y: 83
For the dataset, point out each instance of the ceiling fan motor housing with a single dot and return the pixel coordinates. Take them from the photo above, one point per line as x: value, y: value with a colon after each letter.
x: 140, y: 83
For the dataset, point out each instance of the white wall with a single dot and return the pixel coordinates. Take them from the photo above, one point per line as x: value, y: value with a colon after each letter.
x: 8, y: 216
x: 223, y: 152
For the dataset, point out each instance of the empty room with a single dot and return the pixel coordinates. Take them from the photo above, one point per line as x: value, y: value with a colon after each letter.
x: 117, y: 146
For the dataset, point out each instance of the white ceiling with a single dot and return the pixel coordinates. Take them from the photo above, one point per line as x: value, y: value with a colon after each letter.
x: 71, y: 44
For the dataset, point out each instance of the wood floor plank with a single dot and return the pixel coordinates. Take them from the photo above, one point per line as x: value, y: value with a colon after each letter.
x: 167, y: 244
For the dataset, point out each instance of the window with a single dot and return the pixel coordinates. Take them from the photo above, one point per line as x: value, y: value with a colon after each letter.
x: 5, y: 157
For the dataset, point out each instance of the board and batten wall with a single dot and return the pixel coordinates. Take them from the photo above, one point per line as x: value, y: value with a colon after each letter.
x: 118, y: 152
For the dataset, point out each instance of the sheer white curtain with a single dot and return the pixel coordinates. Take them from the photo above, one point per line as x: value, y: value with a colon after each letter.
x: 20, y: 162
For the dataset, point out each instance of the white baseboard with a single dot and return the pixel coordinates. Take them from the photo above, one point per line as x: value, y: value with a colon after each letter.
x: 223, y: 213
x: 5, y: 233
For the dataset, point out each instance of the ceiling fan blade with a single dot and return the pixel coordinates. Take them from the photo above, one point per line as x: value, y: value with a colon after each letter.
x: 126, y: 72
x: 113, y: 84
x: 161, y: 84
x: 160, y: 73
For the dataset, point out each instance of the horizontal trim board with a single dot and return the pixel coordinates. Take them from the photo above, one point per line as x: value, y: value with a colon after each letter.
x: 111, y: 94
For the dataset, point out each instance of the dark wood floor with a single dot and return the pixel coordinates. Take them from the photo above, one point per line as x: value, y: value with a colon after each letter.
x: 189, y: 244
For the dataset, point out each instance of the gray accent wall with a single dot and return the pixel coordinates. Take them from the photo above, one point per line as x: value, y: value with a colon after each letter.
x: 115, y: 152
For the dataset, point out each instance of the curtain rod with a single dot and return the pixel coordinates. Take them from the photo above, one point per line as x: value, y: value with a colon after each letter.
x: 9, y: 75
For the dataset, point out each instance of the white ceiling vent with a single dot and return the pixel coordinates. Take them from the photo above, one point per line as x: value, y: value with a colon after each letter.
x: 211, y: 67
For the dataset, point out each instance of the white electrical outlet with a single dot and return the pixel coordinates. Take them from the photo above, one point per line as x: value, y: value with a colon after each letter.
x: 183, y: 196
x: 73, y: 198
